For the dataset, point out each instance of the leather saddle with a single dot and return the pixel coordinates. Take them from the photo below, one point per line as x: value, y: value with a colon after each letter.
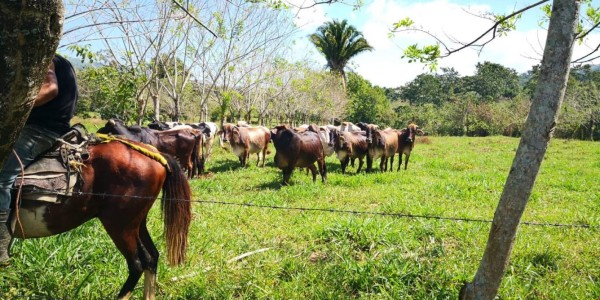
x: 56, y: 174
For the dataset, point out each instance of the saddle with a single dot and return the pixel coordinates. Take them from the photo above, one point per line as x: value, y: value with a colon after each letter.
x: 54, y: 175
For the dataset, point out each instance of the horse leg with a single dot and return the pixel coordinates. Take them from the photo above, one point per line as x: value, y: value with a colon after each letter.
x: 257, y: 159
x: 151, y: 256
x: 391, y: 162
x: 127, y: 241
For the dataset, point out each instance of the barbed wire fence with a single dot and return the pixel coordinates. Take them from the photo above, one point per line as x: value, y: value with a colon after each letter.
x: 323, y: 209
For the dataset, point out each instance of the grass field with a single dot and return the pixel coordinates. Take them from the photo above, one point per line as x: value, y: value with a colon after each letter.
x: 339, y: 255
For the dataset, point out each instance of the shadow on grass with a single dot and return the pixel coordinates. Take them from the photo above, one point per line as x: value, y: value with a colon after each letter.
x: 222, y: 166
x: 273, y: 185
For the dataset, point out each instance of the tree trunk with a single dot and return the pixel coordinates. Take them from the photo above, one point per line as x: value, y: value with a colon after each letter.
x: 534, y: 142
x: 156, y: 103
x: 177, y: 112
x: 592, y: 127
x: 141, y: 109
x: 29, y: 35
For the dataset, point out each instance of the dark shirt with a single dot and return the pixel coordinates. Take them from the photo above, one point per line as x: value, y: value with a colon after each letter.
x: 56, y: 114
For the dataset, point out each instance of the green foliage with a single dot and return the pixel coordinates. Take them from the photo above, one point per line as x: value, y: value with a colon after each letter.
x: 406, y: 22
x: 425, y: 88
x: 273, y: 4
x: 580, y: 112
x: 83, y: 52
x: 427, y: 55
x: 108, y: 91
x: 325, y: 255
x: 494, y: 81
x: 433, y: 88
x: 339, y: 42
x: 366, y: 102
x: 507, y: 25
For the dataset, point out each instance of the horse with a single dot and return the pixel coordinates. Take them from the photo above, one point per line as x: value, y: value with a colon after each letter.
x: 183, y: 143
x: 119, y: 183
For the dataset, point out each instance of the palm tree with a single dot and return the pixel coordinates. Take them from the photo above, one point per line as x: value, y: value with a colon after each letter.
x: 339, y: 42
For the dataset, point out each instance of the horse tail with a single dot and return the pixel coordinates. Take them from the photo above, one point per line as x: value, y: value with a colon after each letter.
x: 177, y: 212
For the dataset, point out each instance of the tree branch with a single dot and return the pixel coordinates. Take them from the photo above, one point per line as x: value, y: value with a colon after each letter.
x: 194, y: 18
x: 494, y: 27
x: 580, y: 36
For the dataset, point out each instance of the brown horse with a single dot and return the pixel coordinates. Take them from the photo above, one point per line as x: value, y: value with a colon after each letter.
x: 119, y: 186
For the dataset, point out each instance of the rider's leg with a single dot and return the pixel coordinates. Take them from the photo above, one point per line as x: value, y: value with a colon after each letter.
x: 32, y: 142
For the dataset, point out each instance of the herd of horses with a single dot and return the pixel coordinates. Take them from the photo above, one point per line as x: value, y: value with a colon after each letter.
x: 122, y: 177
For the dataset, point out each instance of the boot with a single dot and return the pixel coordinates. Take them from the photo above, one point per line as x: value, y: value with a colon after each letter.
x: 4, y: 238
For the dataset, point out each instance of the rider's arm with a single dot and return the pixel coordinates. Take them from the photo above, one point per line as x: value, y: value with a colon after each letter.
x: 49, y: 89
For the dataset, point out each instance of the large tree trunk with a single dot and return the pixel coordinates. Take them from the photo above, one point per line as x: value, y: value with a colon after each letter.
x: 29, y: 35
x: 534, y: 142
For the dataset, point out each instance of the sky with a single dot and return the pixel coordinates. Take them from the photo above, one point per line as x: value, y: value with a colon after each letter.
x: 448, y: 19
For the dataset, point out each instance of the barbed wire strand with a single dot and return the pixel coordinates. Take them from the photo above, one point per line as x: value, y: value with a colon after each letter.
x: 319, y: 209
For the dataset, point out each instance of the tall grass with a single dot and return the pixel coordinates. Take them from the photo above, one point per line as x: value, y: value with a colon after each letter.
x: 328, y: 255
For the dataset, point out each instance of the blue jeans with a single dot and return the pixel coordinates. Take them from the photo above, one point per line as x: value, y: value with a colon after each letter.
x: 33, y: 141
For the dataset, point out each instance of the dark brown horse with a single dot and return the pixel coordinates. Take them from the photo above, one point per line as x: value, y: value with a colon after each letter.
x: 119, y: 186
x: 183, y: 143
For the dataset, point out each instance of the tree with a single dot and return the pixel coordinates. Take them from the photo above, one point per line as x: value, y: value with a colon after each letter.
x: 563, y: 30
x: 539, y: 127
x: 109, y: 91
x: 339, y: 42
x: 29, y: 36
x: 581, y: 109
x: 425, y: 88
x: 494, y: 81
x: 367, y: 103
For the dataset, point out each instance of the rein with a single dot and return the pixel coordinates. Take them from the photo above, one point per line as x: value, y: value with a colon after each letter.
x: 18, y: 199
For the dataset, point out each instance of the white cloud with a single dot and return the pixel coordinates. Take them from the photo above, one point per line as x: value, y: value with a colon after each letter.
x: 384, y: 65
x: 449, y: 21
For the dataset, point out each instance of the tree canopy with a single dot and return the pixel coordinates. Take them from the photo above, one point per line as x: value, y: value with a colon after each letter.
x: 339, y: 42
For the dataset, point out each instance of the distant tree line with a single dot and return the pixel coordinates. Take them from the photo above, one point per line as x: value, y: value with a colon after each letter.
x: 494, y: 101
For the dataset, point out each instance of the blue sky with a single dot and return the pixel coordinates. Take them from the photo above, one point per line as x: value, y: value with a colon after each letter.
x: 448, y: 19
x: 384, y: 66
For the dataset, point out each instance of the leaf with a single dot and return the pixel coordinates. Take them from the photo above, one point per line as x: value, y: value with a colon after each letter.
x: 406, y: 22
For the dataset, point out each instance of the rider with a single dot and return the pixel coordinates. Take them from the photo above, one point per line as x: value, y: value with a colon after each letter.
x: 49, y: 119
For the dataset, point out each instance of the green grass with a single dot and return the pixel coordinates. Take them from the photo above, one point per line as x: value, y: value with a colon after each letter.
x: 325, y: 255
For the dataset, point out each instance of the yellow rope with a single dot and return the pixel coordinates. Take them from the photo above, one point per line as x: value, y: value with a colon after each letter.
x: 154, y: 155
